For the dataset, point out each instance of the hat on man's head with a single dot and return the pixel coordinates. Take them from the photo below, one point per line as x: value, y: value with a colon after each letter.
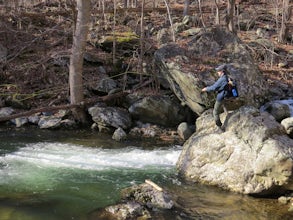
x: 221, y: 67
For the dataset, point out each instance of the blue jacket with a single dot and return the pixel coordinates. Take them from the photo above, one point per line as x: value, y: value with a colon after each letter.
x: 219, y: 86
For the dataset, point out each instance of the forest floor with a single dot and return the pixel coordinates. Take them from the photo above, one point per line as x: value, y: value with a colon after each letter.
x: 39, y: 39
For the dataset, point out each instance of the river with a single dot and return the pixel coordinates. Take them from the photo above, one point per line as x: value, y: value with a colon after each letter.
x: 60, y: 175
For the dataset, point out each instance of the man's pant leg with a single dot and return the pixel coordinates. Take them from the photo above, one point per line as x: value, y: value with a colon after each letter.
x: 217, y: 111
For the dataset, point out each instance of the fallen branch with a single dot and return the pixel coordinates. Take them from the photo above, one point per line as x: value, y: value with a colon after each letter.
x: 77, y: 105
x: 153, y: 185
x: 68, y: 106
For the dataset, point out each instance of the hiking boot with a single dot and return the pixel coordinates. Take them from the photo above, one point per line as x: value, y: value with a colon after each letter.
x: 218, y: 123
x: 220, y: 129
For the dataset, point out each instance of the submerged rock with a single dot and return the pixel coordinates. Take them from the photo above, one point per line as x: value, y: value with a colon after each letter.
x: 137, y: 202
x: 148, y: 196
x: 253, y: 155
x: 129, y: 210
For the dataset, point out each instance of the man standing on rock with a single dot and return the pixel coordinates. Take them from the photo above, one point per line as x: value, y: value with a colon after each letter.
x: 219, y: 87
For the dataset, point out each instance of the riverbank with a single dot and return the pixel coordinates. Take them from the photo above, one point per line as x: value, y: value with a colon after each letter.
x: 35, y: 66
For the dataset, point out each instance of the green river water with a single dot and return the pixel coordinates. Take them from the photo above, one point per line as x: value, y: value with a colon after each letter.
x: 60, y: 175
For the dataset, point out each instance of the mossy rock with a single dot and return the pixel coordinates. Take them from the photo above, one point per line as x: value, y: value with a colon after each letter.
x: 124, y: 40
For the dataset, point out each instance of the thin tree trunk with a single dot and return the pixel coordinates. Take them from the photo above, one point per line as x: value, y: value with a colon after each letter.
x: 114, y: 33
x: 170, y: 19
x: 141, y: 40
x: 200, y: 13
x: 217, y: 19
x: 276, y: 3
x: 125, y: 5
x: 76, y: 58
x: 155, y: 3
x: 230, y: 16
x: 186, y: 7
x: 285, y: 17
x: 237, y: 15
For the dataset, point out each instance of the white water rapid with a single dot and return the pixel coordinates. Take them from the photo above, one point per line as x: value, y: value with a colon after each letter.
x: 73, y: 179
x: 79, y: 157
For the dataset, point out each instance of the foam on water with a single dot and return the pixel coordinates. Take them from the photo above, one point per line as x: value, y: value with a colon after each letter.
x: 73, y: 179
x: 46, y: 166
x: 74, y: 156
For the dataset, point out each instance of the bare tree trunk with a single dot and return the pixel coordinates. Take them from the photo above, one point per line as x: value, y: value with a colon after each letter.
x: 114, y: 33
x: 200, y: 13
x: 276, y: 4
x: 230, y: 16
x: 186, y: 7
x: 141, y: 40
x: 102, y: 6
x: 217, y: 19
x: 134, y: 3
x: 170, y: 19
x: 237, y: 14
x: 285, y: 17
x: 155, y: 3
x: 125, y: 4
x: 76, y: 58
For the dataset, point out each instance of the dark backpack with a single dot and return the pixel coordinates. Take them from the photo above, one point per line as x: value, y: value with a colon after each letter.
x: 231, y: 88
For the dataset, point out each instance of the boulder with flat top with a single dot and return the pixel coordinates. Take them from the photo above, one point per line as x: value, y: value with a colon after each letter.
x: 254, y: 155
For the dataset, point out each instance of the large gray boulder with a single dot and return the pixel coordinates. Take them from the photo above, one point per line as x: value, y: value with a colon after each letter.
x: 280, y: 109
x: 187, y: 69
x: 110, y: 117
x: 160, y: 110
x: 252, y: 156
